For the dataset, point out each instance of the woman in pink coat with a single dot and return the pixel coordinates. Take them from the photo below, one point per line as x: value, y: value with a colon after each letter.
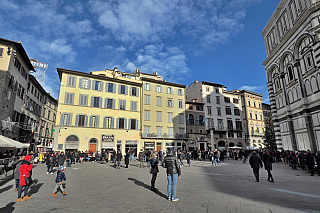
x: 25, y: 171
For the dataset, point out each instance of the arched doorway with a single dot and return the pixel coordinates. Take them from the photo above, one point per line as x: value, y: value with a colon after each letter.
x: 231, y: 144
x: 239, y: 144
x: 93, y: 144
x: 72, y: 143
x: 221, y: 145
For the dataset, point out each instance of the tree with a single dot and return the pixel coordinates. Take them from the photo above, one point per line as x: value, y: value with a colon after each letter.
x: 269, y: 135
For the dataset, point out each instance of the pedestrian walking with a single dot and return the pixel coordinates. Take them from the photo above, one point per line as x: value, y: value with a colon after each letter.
x: 119, y: 158
x: 17, y: 165
x: 310, y: 162
x: 181, y: 156
x: 170, y: 162
x: 50, y: 163
x: 267, y: 161
x: 127, y: 158
x: 25, y: 172
x: 61, y: 177
x: 61, y: 159
x: 154, y: 172
x: 188, y: 157
x: 256, y: 164
x: 141, y: 158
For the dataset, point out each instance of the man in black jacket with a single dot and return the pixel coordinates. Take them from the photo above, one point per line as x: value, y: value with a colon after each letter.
x: 173, y: 172
x: 61, y: 159
x: 256, y: 164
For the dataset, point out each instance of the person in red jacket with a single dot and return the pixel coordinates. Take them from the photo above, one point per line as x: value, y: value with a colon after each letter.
x: 25, y: 171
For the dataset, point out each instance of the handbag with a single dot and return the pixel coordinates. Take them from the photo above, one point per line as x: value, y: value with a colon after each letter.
x: 28, y: 180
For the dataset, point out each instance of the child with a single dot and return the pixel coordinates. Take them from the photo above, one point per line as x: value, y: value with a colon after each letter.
x: 61, y: 177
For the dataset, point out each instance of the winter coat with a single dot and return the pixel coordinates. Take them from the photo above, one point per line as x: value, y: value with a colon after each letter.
x: 60, y: 177
x: 17, y: 164
x: 267, y: 161
x: 141, y: 156
x: 293, y: 159
x: 171, y: 163
x: 119, y: 156
x: 154, y: 167
x: 310, y: 162
x: 61, y: 159
x: 50, y: 161
x: 255, y: 162
x: 25, y: 170
x: 126, y: 158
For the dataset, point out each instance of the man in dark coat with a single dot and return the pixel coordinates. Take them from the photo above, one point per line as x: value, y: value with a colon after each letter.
x: 267, y: 161
x: 127, y: 159
x: 119, y: 158
x: 50, y: 163
x: 61, y: 159
x: 154, y: 171
x: 256, y: 164
x: 310, y: 162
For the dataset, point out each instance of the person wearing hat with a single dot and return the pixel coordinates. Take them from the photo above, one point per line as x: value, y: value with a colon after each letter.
x: 61, y: 177
x: 25, y: 171
x: 172, y: 165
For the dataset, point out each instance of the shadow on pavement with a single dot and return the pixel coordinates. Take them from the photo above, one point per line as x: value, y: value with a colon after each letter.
x: 35, y: 187
x: 8, y: 208
x: 140, y: 183
x: 5, y: 189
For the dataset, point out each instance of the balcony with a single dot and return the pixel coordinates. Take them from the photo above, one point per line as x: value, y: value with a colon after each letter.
x: 218, y: 128
x: 165, y: 136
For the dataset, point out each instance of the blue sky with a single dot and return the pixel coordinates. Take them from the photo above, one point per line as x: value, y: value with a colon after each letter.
x: 184, y: 40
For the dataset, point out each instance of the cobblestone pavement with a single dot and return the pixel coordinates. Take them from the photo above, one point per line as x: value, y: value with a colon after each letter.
x: 229, y: 187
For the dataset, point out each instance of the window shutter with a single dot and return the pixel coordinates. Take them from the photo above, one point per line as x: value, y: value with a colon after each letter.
x: 89, y: 84
x: 97, y: 121
x: 167, y: 102
x: 114, y: 88
x: 125, y: 124
x: 81, y: 100
x: 126, y: 90
x: 69, y: 81
x: 124, y: 104
x: 119, y: 89
x: 112, y: 123
x: 93, y: 84
x: 101, y: 86
x: 77, y: 120
x: 131, y: 103
x: 113, y: 103
x: 85, y: 100
x: 182, y: 104
x: 86, y: 121
x: 144, y: 86
x: 71, y: 98
x: 172, y: 103
x: 61, y: 119
x: 138, y: 92
x: 129, y: 126
x: 117, y: 123
x: 80, y: 83
x: 104, y: 122
x: 105, y: 102
x: 107, y: 86
x: 137, y: 124
x: 100, y: 102
x: 74, y: 81
x: 92, y: 99
x: 90, y: 121
x: 167, y: 90
x: 69, y: 119
x: 172, y: 90
x: 182, y: 91
x: 130, y: 91
x: 161, y: 88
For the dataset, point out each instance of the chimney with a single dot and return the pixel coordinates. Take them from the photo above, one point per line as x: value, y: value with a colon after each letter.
x: 196, y: 81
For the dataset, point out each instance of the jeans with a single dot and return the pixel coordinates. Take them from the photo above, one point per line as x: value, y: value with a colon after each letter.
x: 172, y: 182
x: 50, y: 168
x: 153, y: 180
x: 69, y: 163
x: 256, y: 173
x: 17, y: 183
x: 25, y: 190
x: 181, y: 161
x: 60, y: 166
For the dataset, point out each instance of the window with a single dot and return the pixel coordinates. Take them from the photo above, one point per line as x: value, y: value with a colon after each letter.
x: 158, y: 88
x: 97, y: 85
x: 250, y: 115
x: 147, y: 86
x: 220, y: 124
x: 217, y: 90
x: 230, y: 135
x: 249, y: 103
x: 159, y: 100
x: 169, y: 103
x: 256, y: 115
x: 226, y: 99
x: 228, y: 110
x: 199, y: 108
x: 121, y: 123
x: 159, y: 132
x: 1, y: 52
x: 180, y: 104
x: 71, y: 81
x: 69, y: 97
x: 230, y: 124
x: 111, y: 87
x: 208, y: 89
x: 170, y: 90
x: 94, y: 121
x: 238, y: 125
x: 123, y: 89
x: 237, y: 111
x: 208, y: 99
x: 65, y: 120
x: 96, y: 102
x: 147, y: 115
x: 110, y: 104
x: 83, y: 100
x: 170, y: 117
x: 108, y: 122
x: 180, y: 92
x: 159, y: 116
x: 84, y: 83
x: 190, y: 107
x: 147, y: 130
x: 217, y: 99
x: 134, y: 91
x: 147, y: 99
x: 239, y: 135
x: 254, y: 104
x: 190, y: 119
x: 260, y: 116
x: 170, y: 131
x: 181, y: 131
x: 81, y: 120
x: 122, y: 104
x: 235, y: 100
x: 259, y: 105
x: 181, y: 118
x: 209, y: 110
x: 134, y: 105
x: 200, y: 120
x: 133, y: 124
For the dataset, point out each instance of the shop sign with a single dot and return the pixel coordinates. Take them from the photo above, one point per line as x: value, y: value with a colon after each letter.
x: 71, y: 142
x: 192, y: 143
x: 107, y: 138
x: 131, y: 142
x: 149, y: 145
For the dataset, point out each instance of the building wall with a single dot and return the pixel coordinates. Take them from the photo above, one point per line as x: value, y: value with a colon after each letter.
x: 293, y: 74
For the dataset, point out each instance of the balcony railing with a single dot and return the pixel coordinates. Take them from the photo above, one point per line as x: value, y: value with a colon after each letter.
x: 165, y: 136
x: 217, y: 128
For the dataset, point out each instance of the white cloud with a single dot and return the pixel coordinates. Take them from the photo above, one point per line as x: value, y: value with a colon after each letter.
x: 251, y: 88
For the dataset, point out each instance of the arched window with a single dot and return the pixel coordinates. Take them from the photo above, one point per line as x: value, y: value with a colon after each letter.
x: 290, y: 73
x: 305, y: 55
x: 200, y: 119
x: 191, y: 119
x: 72, y: 138
x: 288, y: 67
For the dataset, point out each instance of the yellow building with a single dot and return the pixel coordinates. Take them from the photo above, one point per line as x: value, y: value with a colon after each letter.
x: 253, y: 118
x: 163, y: 113
x: 98, y: 110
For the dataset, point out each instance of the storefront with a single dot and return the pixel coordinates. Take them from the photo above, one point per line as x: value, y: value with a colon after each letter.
x: 192, y: 145
x: 107, y: 142
x: 93, y: 144
x: 132, y: 147
x: 72, y: 143
x: 149, y: 145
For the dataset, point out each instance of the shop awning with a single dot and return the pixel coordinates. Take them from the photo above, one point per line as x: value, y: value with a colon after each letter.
x: 9, y: 143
